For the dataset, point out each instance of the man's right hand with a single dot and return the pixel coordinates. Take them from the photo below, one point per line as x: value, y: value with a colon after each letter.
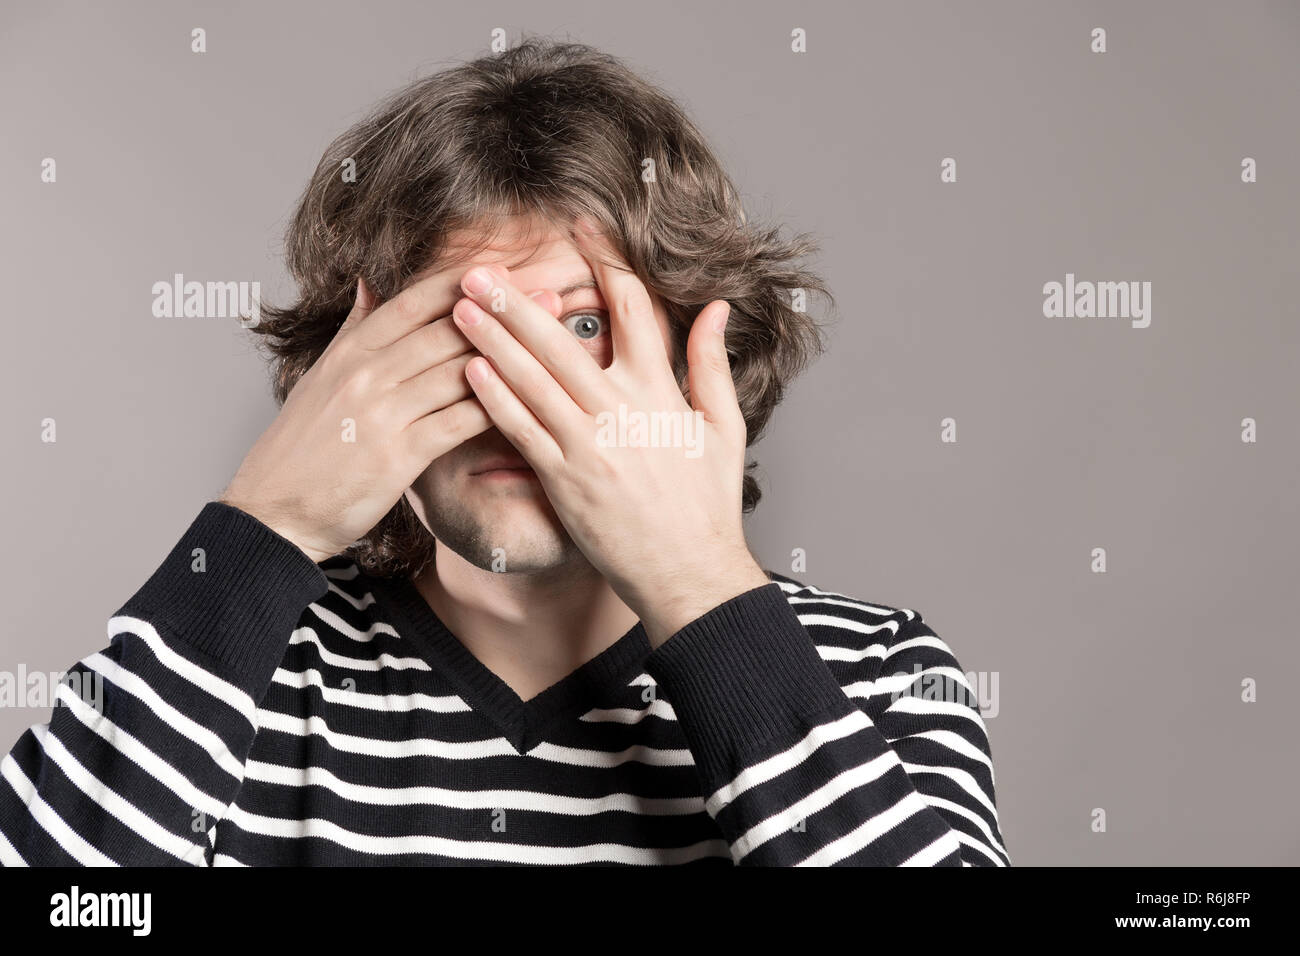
x: 386, y: 397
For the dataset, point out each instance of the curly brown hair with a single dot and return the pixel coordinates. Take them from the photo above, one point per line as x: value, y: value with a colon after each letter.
x: 554, y: 131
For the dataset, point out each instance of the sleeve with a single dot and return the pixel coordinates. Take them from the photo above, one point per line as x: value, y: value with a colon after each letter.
x: 146, y: 745
x: 793, y: 771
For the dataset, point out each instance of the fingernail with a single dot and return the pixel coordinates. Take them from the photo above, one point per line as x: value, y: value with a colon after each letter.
x: 466, y: 312
x: 477, y: 281
x: 720, y: 323
x: 477, y: 370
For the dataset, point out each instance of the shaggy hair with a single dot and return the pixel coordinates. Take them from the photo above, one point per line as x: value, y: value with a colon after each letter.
x: 557, y: 131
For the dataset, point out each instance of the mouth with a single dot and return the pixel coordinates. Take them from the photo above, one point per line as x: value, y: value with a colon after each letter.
x: 506, y: 467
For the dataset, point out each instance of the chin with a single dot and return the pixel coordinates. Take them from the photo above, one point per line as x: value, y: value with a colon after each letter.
x: 514, y: 531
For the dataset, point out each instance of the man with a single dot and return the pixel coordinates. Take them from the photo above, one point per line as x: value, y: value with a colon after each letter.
x: 481, y: 593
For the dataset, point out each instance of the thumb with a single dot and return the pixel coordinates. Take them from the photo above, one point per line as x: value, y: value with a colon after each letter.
x: 361, y: 307
x: 709, y: 370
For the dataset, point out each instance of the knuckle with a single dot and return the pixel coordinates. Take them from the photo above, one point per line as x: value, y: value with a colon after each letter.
x: 406, y: 306
x: 439, y: 338
x: 387, y: 458
x: 465, y: 419
x: 555, y: 355
x: 455, y: 420
x: 358, y: 382
x: 527, y: 435
x: 532, y: 392
x: 604, y: 469
x: 453, y: 370
x: 386, y: 416
x: 631, y: 303
x: 341, y: 358
x: 335, y: 357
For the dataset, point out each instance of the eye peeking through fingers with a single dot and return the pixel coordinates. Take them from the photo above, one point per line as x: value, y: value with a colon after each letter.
x: 585, y: 325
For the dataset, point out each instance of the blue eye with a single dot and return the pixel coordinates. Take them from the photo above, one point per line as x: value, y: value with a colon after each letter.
x: 584, y: 325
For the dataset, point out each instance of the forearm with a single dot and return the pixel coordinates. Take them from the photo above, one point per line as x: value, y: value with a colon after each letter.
x: 141, y: 774
x: 792, y: 770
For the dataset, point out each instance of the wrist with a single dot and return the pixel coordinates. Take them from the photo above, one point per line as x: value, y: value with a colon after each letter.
x: 280, y: 527
x: 692, y: 594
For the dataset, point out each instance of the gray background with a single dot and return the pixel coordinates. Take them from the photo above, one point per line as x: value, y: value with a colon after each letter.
x: 1118, y: 690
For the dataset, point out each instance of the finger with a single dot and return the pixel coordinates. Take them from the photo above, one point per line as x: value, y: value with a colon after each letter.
x: 535, y: 328
x: 549, y: 301
x: 362, y: 306
x: 439, y: 432
x: 418, y: 304
x: 512, y: 417
x: 440, y: 341
x: 524, y: 374
x: 713, y: 391
x: 638, y: 342
x: 422, y: 349
x: 434, y: 388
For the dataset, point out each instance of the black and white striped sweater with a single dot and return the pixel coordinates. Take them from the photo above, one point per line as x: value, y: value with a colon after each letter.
x: 260, y: 709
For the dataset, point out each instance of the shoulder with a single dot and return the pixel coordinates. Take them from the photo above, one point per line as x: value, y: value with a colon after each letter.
x: 883, y: 654
x: 840, y: 612
x: 878, y: 636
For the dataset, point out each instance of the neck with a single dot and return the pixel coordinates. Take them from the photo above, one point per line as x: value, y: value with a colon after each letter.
x: 529, y: 628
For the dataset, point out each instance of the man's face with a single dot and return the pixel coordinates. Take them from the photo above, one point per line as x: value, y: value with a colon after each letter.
x: 470, y: 499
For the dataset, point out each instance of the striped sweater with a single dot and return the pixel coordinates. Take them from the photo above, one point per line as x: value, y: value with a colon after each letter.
x: 257, y: 708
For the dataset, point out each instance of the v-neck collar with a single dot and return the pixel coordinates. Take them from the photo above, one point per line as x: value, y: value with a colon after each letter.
x: 521, y: 722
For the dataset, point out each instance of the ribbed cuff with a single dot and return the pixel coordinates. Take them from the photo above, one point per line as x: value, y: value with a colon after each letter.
x: 743, y: 678
x: 240, y: 605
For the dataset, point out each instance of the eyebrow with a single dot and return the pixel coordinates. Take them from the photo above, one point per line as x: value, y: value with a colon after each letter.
x: 578, y: 286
